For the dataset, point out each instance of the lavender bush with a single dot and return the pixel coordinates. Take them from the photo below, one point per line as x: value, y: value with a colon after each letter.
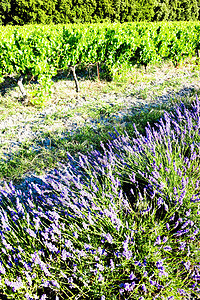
x: 119, y: 225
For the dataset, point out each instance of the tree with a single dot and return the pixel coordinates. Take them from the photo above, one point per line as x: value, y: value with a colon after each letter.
x: 63, y: 12
x: 172, y: 10
x: 162, y: 10
x: 116, y: 4
x: 104, y: 10
x: 82, y: 10
x: 5, y: 10
x: 145, y: 10
x: 128, y: 10
x: 187, y: 10
x: 32, y: 11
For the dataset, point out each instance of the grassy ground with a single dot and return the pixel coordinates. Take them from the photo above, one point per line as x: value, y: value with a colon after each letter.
x: 93, y: 113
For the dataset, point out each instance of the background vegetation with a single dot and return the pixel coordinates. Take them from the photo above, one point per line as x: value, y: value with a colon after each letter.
x: 20, y: 12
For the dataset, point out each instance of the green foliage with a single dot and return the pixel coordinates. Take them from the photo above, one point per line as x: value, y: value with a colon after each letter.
x: 83, y: 10
x: 128, y: 10
x: 63, y: 12
x: 145, y: 10
x: 173, y: 7
x: 162, y: 10
x: 42, y: 50
x: 32, y: 12
x: 117, y: 9
x: 187, y: 10
x: 104, y: 10
x: 20, y: 12
x: 5, y: 10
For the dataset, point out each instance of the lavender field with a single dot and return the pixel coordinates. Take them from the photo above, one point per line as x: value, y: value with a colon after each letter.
x: 122, y: 223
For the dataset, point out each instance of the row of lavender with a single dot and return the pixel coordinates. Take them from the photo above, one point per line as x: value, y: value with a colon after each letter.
x: 119, y: 225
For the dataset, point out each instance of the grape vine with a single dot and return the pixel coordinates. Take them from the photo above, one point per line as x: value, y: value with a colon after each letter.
x: 40, y: 51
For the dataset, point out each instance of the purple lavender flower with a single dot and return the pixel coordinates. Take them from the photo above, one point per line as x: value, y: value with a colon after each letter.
x: 19, y: 206
x: 132, y: 276
x: 174, y: 165
x: 163, y: 273
x: 145, y: 274
x: 132, y: 177
x: 185, y: 224
x: 127, y: 254
x: 158, y: 241
x: 70, y: 280
x: 182, y: 245
x: 63, y: 274
x: 187, y: 265
x: 159, y: 264
x: 167, y: 248
x: 99, y: 267
x: 68, y: 243
x: 167, y: 170
x: 196, y: 231
x: 28, y: 296
x: 154, y: 283
x: 2, y: 269
x: 137, y: 263
x: 85, y: 226
x: 129, y: 287
x: 51, y: 247
x: 144, y: 288
x: 65, y: 254
x: 7, y: 246
x: 188, y: 213
x: 15, y: 284
x: 81, y: 253
x: 165, y: 239
x: 182, y: 197
x: 169, y: 146
x: 75, y: 234
x: 159, y: 201
x: 176, y: 224
x: 161, y: 268
x: 121, y: 291
x: 181, y: 291
x: 181, y: 232
x: 55, y: 283
x: 100, y: 278
x: 112, y: 265
x: 108, y: 237
x: 125, y: 244
x: 28, y: 277
x: 4, y: 221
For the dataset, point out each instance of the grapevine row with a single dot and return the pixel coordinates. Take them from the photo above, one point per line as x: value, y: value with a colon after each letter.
x: 41, y: 51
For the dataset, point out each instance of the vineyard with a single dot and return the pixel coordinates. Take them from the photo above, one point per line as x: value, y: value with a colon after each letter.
x: 40, y: 51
